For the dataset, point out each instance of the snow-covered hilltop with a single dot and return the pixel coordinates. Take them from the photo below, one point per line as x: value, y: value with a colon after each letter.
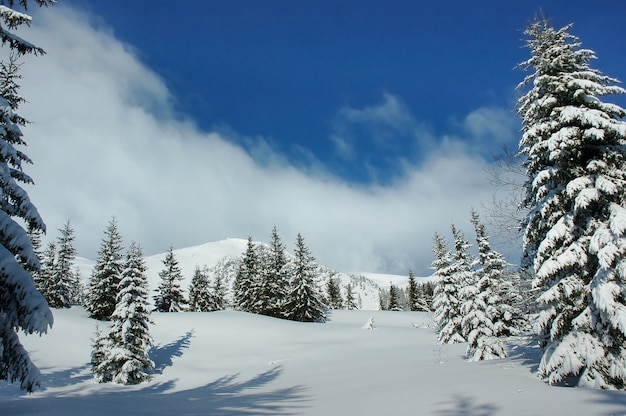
x: 223, y: 257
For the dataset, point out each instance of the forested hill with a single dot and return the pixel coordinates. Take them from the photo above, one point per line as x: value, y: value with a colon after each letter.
x: 223, y: 257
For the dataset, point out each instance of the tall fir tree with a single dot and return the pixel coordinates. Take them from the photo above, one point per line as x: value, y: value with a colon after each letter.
x: 200, y: 296
x: 272, y: 278
x: 446, y: 299
x: 45, y: 278
x: 394, y: 298
x: 130, y: 339
x: 487, y: 314
x: 64, y: 280
x: 100, y: 367
x: 107, y: 273
x: 246, y: 283
x: 304, y: 302
x: 22, y: 307
x: 333, y: 293
x: 576, y: 193
x: 413, y: 293
x: 169, y: 295
x: 350, y: 303
x: 218, y: 293
x: 34, y: 235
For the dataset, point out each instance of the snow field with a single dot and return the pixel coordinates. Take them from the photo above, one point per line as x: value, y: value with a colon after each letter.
x: 234, y: 363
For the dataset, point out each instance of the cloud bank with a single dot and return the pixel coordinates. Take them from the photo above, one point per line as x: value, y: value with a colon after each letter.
x: 106, y: 142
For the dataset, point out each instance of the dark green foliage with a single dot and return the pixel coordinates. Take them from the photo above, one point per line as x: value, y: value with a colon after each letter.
x: 574, y: 233
x: 130, y: 336
x: 413, y: 294
x: 333, y: 293
x: 273, y: 280
x: 304, y: 303
x: 394, y: 298
x: 22, y: 307
x: 246, y: 283
x: 106, y: 275
x: 64, y: 279
x: 350, y: 303
x: 200, y: 296
x: 169, y: 295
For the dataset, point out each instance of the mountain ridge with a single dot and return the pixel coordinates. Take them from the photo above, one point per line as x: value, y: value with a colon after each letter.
x: 219, y: 255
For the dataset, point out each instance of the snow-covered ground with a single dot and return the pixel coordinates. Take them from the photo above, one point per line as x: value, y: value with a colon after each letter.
x: 234, y: 363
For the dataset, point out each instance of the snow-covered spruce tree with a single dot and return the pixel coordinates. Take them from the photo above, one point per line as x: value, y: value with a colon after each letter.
x: 350, y: 303
x: 200, y: 296
x: 99, y: 365
x: 575, y: 146
x: 272, y: 277
x: 333, y: 293
x: 246, y: 285
x: 464, y: 275
x: 44, y: 279
x: 425, y: 291
x: 446, y: 298
x: 63, y: 280
x: 304, y: 302
x: 106, y: 275
x: 22, y: 307
x: 486, y: 316
x: 394, y: 299
x: 169, y: 295
x: 130, y: 337
x: 218, y: 294
x: 413, y: 293
x: 34, y: 235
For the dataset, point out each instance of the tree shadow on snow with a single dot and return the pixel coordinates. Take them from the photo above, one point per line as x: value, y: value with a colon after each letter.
x: 525, y: 351
x: 163, y: 356
x: 613, y: 398
x: 69, y: 379
x: 225, y: 396
x: 465, y: 406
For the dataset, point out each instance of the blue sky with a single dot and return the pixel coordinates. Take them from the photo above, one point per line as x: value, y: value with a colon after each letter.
x: 365, y: 126
x: 290, y: 71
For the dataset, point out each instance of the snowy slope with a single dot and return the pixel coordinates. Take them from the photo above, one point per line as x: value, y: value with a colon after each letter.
x: 213, y: 254
x: 232, y: 363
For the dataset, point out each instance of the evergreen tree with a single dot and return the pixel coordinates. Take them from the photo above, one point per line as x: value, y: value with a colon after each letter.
x: 34, y: 235
x: 100, y: 367
x: 413, y: 295
x: 394, y: 298
x: 464, y: 276
x: 273, y: 281
x: 304, y: 303
x: 77, y: 292
x: 247, y: 281
x: 350, y: 301
x: 333, y: 293
x: 486, y: 312
x: 200, y: 296
x: 446, y: 300
x: 219, y: 293
x: 576, y: 192
x: 169, y: 295
x: 64, y: 280
x: 106, y: 276
x: 130, y: 337
x: 383, y: 300
x: 424, y: 299
x: 22, y: 307
x: 45, y: 278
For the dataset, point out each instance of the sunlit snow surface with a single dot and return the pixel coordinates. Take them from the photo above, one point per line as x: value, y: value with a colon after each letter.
x: 234, y: 363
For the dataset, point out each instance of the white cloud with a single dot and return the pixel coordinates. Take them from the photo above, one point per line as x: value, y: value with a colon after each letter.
x: 105, y: 143
x: 492, y: 125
